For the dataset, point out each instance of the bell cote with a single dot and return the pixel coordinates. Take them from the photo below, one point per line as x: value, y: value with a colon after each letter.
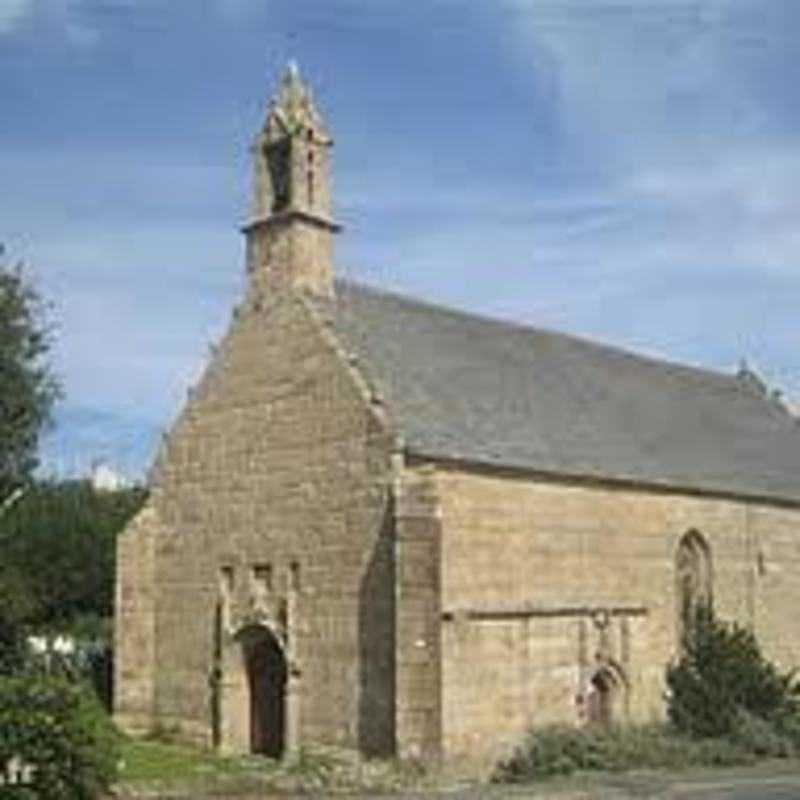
x: 290, y: 233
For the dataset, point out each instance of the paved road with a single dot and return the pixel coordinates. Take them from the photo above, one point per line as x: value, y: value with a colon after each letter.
x: 771, y: 793
x: 717, y: 787
x: 776, y: 789
x: 761, y: 788
x: 749, y: 789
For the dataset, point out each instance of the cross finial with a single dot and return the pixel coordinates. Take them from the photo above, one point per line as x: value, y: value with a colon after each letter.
x: 292, y: 71
x: 293, y: 89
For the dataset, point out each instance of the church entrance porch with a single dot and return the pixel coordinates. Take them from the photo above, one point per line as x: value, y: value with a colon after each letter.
x: 266, y: 680
x: 254, y: 696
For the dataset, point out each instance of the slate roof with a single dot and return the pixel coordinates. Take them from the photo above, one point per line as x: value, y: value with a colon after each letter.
x: 483, y: 390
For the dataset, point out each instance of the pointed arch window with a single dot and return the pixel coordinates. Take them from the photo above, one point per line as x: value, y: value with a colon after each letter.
x: 693, y: 577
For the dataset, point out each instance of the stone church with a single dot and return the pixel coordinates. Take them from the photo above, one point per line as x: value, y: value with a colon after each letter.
x: 387, y: 525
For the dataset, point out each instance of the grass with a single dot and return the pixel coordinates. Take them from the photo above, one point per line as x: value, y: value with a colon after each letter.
x: 600, y: 766
x: 152, y: 761
x: 150, y: 766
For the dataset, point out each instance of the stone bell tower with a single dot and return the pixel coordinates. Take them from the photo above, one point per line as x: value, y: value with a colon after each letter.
x: 290, y: 235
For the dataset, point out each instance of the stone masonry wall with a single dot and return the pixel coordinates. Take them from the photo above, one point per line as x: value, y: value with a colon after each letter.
x: 278, y: 472
x: 418, y: 593
x: 541, y: 582
x: 134, y: 629
x: 291, y: 253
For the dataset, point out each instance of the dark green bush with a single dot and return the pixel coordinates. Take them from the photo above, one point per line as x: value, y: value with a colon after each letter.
x: 562, y: 750
x: 727, y: 705
x: 58, y: 728
x: 760, y: 737
x: 721, y: 676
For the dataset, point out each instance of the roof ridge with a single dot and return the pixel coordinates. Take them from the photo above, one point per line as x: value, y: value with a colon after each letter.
x: 586, y: 341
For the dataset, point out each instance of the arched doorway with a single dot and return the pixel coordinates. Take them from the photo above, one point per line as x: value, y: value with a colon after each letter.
x: 266, y: 672
x: 605, y: 687
x: 253, y: 693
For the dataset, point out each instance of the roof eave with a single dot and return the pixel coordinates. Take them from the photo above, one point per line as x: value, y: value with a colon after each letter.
x: 619, y: 482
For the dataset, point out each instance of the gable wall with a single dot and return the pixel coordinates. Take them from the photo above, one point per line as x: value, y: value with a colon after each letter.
x: 279, y: 459
x: 522, y: 562
x: 134, y: 629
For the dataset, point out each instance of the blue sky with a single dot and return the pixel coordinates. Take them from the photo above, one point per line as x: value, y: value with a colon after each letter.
x: 622, y: 170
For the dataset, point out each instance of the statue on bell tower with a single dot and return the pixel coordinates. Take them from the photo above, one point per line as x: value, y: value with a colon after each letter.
x: 290, y: 237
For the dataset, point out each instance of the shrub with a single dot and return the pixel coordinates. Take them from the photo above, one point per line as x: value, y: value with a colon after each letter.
x: 722, y: 675
x: 58, y: 729
x: 760, y: 737
x: 562, y: 750
x: 727, y: 705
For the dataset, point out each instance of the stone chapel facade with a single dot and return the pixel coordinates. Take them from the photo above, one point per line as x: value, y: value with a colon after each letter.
x: 409, y: 530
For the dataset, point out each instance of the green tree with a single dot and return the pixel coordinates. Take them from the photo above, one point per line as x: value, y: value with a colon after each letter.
x: 28, y: 387
x: 721, y: 677
x: 59, y: 540
x: 28, y: 390
x: 15, y: 605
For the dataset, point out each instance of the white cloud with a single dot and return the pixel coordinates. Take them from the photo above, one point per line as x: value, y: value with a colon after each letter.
x: 740, y: 209
x: 650, y: 79
x: 74, y: 20
x: 63, y: 17
x: 12, y: 12
x: 698, y: 172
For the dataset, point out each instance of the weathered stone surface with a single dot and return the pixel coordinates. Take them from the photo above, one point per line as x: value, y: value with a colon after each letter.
x: 553, y: 552
x: 418, y: 644
x: 271, y: 507
x: 430, y: 609
x: 277, y: 463
x: 134, y: 631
